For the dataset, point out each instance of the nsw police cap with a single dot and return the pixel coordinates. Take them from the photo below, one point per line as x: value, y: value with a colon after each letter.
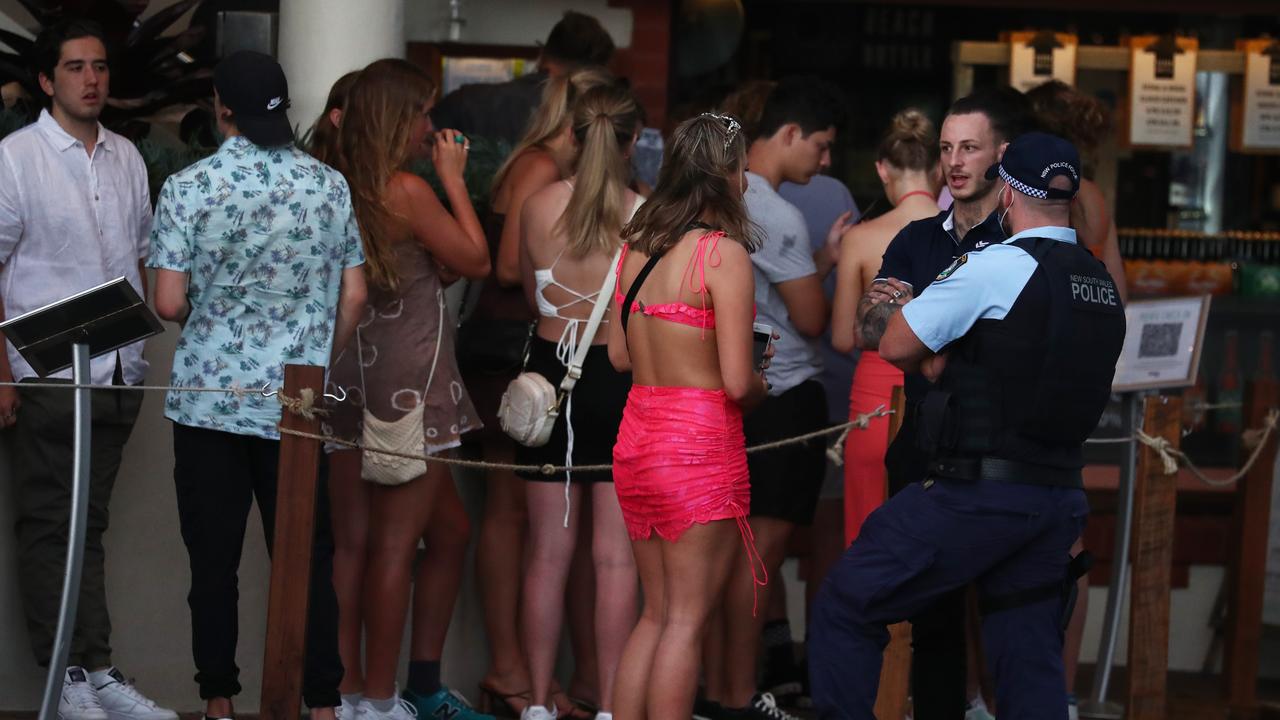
x: 1033, y: 160
x: 252, y: 85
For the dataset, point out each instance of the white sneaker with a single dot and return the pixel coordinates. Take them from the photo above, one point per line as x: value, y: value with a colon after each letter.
x: 122, y: 701
x: 537, y: 712
x: 402, y: 710
x: 79, y: 701
x: 347, y: 710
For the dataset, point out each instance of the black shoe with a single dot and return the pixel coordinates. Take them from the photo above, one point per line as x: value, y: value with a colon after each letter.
x: 786, y: 683
x: 707, y: 710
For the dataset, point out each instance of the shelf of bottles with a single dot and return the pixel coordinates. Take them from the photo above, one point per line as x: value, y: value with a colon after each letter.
x: 1241, y: 270
x: 1159, y: 262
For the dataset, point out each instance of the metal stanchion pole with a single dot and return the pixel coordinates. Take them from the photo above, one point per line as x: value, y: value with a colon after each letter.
x: 1097, y: 707
x: 75, y: 536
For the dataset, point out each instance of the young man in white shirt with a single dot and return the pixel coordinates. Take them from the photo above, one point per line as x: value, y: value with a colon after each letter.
x: 793, y: 143
x: 75, y: 212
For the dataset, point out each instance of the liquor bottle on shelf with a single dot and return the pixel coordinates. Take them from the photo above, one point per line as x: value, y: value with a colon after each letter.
x: 1229, y: 413
x: 1259, y: 270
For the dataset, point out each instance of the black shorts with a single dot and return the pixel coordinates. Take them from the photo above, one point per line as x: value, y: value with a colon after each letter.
x: 598, y: 400
x: 786, y: 481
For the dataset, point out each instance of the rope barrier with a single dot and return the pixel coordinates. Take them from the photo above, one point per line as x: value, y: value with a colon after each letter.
x: 859, y: 422
x: 1172, y: 457
x: 233, y: 390
x: 304, y: 405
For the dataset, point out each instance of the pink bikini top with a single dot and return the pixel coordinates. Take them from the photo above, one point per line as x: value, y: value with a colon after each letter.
x: 696, y: 270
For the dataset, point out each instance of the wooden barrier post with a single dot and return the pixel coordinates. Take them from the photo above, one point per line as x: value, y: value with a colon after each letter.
x: 291, y: 552
x: 1250, y: 525
x: 895, y: 673
x: 1151, y: 550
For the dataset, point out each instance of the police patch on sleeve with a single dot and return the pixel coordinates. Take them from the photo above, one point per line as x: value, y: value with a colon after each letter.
x: 950, y: 269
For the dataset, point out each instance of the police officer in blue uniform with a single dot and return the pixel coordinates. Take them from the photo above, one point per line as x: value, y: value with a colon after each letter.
x: 975, y: 133
x: 1021, y: 341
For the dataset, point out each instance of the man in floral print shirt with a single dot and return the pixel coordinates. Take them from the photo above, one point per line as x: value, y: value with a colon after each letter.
x: 258, y: 254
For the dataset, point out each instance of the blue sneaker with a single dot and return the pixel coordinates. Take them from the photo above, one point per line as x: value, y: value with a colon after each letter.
x: 445, y: 704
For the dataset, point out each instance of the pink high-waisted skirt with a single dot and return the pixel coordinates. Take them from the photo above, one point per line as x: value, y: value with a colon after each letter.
x: 864, y: 472
x: 680, y: 459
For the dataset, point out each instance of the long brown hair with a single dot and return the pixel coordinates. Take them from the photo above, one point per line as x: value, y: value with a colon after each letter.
x: 704, y: 154
x: 382, y: 106
x: 604, y: 124
x: 324, y: 143
x: 553, y: 114
x: 1069, y: 113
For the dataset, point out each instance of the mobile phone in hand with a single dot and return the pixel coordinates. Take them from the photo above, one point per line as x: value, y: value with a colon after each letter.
x: 761, y: 339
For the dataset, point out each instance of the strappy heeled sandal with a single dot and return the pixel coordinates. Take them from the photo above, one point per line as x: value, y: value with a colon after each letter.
x: 576, y: 709
x: 499, y: 704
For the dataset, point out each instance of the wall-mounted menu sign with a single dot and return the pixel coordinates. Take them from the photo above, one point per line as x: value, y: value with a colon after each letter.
x: 1162, y: 90
x: 1038, y: 57
x: 1258, y: 122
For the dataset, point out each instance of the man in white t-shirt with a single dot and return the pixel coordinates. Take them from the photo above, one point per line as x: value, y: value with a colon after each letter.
x: 796, y: 131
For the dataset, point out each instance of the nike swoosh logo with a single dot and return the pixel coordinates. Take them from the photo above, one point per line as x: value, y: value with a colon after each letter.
x: 274, y: 103
x: 980, y: 244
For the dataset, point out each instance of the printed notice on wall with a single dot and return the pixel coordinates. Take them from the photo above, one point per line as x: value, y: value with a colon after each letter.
x: 459, y: 71
x: 1162, y: 91
x: 1260, y: 119
x: 1162, y: 343
x: 1038, y: 57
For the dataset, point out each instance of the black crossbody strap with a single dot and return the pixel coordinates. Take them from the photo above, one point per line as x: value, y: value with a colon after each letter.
x: 635, y: 288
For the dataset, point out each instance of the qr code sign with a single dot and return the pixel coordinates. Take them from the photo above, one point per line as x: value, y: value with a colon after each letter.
x: 1159, y: 340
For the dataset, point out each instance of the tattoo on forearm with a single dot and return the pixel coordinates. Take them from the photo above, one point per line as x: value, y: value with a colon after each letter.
x: 874, y: 323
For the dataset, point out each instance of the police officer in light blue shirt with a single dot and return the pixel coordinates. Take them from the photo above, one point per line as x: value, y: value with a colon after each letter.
x: 1020, y: 342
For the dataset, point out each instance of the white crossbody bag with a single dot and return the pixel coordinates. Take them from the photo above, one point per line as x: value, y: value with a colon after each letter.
x: 530, y: 406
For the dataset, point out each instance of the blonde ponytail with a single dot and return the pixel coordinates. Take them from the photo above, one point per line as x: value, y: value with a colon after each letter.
x: 604, y: 123
x: 554, y: 112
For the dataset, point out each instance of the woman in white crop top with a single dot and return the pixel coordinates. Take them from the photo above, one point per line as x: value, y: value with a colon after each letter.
x: 570, y: 234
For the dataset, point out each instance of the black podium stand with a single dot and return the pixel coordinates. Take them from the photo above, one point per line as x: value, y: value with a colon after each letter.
x: 69, y: 333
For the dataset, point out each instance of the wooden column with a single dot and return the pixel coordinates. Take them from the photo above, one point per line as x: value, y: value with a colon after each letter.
x: 895, y: 673
x: 1154, y: 504
x: 291, y: 552
x: 1247, y: 575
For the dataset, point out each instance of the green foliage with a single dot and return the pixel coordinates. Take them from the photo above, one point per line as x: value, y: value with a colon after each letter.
x: 163, y: 160
x: 483, y: 161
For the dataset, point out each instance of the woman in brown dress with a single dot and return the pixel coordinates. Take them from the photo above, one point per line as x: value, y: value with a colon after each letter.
x: 438, y: 578
x: 400, y: 366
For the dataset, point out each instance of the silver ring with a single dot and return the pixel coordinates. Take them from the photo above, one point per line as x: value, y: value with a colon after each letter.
x: 897, y: 293
x: 892, y: 301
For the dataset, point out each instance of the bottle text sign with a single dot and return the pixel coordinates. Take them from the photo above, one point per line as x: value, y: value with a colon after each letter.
x: 1259, y: 124
x: 1162, y: 91
x: 1038, y: 57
